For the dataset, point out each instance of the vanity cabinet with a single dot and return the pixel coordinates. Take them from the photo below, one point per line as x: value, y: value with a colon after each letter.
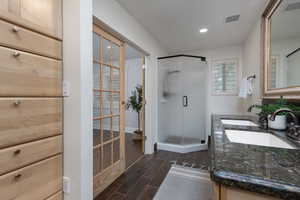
x: 42, y: 16
x: 222, y: 192
x: 31, y: 101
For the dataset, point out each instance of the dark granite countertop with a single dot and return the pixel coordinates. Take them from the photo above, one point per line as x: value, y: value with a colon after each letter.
x: 266, y: 170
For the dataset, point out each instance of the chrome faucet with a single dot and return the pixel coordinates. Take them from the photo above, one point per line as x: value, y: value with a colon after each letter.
x: 288, y: 111
x: 293, y: 130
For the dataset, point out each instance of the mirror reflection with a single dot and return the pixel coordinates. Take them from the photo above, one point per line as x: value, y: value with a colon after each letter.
x: 284, y: 65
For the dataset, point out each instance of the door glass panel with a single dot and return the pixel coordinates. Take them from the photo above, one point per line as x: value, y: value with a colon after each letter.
x: 106, y: 51
x: 194, y: 76
x: 107, y: 156
x: 97, y: 157
x: 115, y: 79
x: 116, y: 150
x: 96, y: 76
x: 106, y: 78
x: 116, y: 125
x: 97, y: 133
x: 116, y: 55
x: 116, y: 103
x: 106, y: 129
x: 96, y: 47
x: 106, y: 110
x: 170, y: 102
x: 96, y: 105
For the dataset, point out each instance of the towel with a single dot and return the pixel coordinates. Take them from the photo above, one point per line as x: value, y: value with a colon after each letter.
x: 246, y: 88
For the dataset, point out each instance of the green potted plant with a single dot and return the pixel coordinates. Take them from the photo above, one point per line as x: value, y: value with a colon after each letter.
x: 268, y: 109
x: 135, y: 102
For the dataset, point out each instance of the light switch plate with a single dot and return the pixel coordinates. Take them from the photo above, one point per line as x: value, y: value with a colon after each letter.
x: 66, y: 88
x: 66, y: 185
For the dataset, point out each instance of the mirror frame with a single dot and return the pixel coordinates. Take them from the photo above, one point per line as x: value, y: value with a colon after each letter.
x: 266, y: 48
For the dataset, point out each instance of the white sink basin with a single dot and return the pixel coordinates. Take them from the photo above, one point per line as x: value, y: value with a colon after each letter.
x: 238, y: 122
x: 256, y: 138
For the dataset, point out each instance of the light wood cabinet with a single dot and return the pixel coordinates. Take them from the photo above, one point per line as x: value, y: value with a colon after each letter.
x: 35, y: 182
x: 28, y: 119
x: 26, y: 74
x: 13, y: 36
x: 57, y: 196
x: 222, y: 192
x: 25, y: 154
x: 31, y: 102
x: 44, y: 16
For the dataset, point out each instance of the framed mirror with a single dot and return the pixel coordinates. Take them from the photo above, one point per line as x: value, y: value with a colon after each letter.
x: 281, y: 48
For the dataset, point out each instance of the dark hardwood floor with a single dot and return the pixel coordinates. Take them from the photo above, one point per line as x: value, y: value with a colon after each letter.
x: 142, y: 180
x: 133, y: 149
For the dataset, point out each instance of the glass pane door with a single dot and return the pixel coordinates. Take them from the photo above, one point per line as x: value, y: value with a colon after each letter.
x: 194, y: 84
x: 170, y: 102
x: 108, y: 109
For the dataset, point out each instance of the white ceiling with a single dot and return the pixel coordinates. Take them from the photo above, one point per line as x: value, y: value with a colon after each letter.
x: 175, y: 23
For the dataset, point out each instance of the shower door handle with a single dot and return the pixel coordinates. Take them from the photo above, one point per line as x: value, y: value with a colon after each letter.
x: 185, y: 101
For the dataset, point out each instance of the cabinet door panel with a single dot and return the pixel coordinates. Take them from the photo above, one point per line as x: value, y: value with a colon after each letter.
x: 25, y: 74
x: 27, y: 119
x: 15, y: 37
x: 32, y: 182
x: 25, y: 154
x: 44, y: 16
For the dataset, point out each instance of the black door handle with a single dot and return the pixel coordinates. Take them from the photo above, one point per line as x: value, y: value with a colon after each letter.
x: 185, y: 101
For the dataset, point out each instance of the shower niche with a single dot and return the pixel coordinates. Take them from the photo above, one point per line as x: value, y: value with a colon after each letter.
x: 182, y: 103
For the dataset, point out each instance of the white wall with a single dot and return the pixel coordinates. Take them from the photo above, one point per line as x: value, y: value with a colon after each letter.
x: 117, y: 18
x: 78, y: 140
x: 220, y: 104
x: 252, y: 64
x: 133, y: 77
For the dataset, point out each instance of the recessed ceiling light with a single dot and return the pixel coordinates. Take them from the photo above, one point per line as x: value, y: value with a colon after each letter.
x: 109, y: 47
x: 203, y: 30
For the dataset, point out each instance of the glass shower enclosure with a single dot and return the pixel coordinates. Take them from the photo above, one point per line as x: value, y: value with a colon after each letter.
x: 182, y: 104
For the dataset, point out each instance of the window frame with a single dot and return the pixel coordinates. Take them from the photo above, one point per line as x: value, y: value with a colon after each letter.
x: 218, y: 61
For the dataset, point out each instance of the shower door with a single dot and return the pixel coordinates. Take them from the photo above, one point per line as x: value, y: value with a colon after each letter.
x: 170, y: 102
x: 108, y: 109
x: 182, y: 101
x: 194, y: 102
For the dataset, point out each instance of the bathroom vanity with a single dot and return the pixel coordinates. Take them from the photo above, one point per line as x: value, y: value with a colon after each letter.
x: 242, y: 170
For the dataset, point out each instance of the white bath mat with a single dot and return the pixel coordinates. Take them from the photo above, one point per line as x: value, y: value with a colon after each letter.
x: 183, y: 183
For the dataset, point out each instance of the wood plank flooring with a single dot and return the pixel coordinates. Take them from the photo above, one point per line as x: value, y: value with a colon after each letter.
x: 142, y: 180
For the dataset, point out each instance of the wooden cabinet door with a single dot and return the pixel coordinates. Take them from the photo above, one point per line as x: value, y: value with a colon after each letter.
x: 35, y: 182
x: 22, y: 155
x: 25, y: 74
x: 15, y: 37
x: 228, y: 193
x: 29, y: 119
x: 44, y: 16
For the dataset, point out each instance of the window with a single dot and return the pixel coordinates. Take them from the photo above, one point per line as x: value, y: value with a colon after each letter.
x: 225, y: 77
x: 274, y: 71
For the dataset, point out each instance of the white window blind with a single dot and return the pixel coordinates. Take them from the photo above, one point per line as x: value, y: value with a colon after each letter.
x: 273, y: 72
x: 225, y: 77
